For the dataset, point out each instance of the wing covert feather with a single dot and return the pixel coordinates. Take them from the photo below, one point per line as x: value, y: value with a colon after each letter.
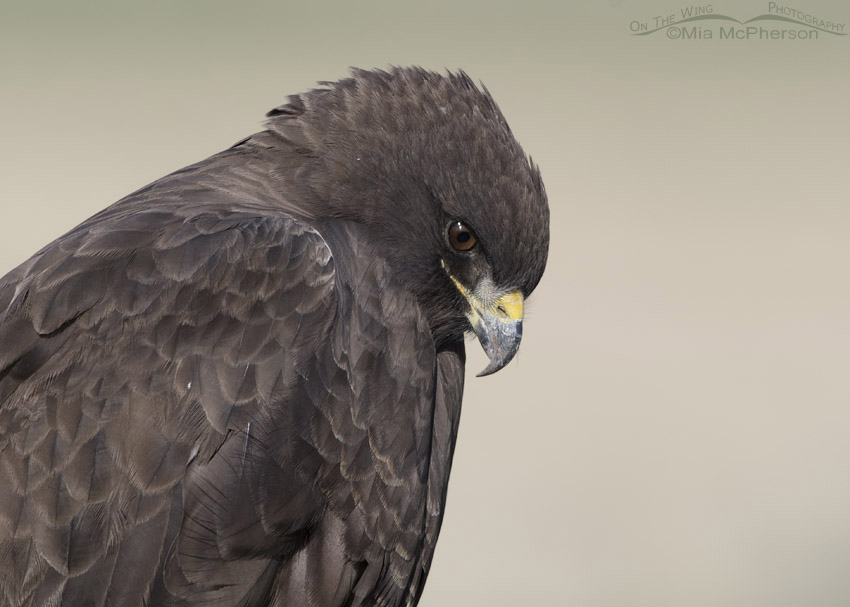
x: 137, y: 343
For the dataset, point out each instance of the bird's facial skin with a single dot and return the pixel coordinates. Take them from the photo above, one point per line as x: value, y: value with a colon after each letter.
x: 496, y: 321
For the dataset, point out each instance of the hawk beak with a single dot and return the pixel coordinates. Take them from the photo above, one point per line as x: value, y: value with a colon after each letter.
x: 498, y: 328
x: 498, y: 325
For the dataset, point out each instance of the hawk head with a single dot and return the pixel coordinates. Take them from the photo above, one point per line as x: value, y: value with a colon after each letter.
x: 427, y: 163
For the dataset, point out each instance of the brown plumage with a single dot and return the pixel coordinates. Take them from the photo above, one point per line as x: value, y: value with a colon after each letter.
x: 241, y: 384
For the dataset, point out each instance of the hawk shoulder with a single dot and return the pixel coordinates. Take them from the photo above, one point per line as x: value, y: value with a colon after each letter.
x: 141, y: 340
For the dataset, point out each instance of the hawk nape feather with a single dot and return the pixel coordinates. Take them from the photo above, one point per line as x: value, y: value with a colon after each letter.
x: 241, y: 384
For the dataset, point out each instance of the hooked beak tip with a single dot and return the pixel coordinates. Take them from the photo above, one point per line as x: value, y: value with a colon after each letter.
x: 500, y: 343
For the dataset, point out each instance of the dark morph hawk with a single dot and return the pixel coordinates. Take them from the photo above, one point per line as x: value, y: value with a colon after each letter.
x: 241, y: 384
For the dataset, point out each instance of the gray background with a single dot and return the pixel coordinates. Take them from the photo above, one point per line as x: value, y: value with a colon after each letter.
x: 675, y: 429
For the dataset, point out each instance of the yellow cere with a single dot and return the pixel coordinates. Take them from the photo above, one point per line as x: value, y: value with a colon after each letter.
x: 508, y: 307
x: 512, y: 304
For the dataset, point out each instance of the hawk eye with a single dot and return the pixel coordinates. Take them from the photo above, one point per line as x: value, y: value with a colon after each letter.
x: 461, y: 237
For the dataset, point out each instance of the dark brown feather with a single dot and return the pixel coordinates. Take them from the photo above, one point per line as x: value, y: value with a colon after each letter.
x: 241, y: 384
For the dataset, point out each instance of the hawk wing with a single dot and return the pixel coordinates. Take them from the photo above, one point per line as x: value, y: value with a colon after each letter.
x: 140, y: 355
